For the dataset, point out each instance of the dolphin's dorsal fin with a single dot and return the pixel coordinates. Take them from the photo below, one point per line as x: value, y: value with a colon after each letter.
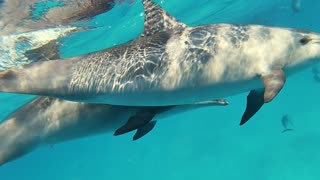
x: 158, y: 20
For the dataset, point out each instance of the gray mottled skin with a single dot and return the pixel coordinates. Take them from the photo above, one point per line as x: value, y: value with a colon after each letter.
x: 45, y: 121
x: 171, y: 64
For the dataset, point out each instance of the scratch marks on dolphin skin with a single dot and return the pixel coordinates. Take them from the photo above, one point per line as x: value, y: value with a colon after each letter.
x: 203, y: 37
x: 200, y: 45
x: 134, y: 66
x: 197, y: 40
x: 238, y: 34
x: 264, y: 33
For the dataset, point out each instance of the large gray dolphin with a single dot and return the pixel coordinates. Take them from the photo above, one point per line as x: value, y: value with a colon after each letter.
x: 45, y: 121
x: 172, y: 63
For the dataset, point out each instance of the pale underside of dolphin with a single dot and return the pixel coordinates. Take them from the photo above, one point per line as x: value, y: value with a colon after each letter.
x: 47, y: 121
x: 172, y: 64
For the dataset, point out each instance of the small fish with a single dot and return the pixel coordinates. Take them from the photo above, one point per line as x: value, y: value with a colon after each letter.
x: 316, y: 77
x: 296, y: 5
x: 316, y: 73
x: 315, y: 70
x: 286, y: 123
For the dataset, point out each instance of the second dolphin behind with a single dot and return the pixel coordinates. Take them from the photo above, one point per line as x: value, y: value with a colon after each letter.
x: 46, y: 120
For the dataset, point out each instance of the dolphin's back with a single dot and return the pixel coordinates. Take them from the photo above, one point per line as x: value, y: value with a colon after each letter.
x: 133, y: 66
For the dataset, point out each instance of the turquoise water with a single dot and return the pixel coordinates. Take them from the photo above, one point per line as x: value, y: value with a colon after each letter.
x: 43, y: 7
x: 201, y: 144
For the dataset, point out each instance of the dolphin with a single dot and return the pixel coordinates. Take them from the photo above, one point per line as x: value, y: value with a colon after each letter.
x: 172, y: 63
x: 286, y: 123
x: 24, y: 48
x: 316, y: 73
x: 19, y: 16
x: 47, y: 121
x: 296, y: 5
x: 31, y: 30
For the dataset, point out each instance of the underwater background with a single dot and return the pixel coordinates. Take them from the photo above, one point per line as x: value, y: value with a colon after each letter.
x: 205, y: 143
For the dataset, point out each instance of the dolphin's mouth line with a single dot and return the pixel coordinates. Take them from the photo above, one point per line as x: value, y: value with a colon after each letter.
x: 314, y: 40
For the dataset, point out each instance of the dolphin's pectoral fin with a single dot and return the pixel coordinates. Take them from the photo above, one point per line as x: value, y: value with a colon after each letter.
x: 273, y: 83
x: 255, y: 100
x: 135, y: 122
x: 144, y: 130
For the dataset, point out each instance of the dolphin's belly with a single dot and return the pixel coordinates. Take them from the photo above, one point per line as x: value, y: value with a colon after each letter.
x: 96, y: 119
x: 162, y: 97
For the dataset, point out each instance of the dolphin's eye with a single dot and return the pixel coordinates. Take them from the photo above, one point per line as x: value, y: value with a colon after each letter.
x: 305, y: 40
